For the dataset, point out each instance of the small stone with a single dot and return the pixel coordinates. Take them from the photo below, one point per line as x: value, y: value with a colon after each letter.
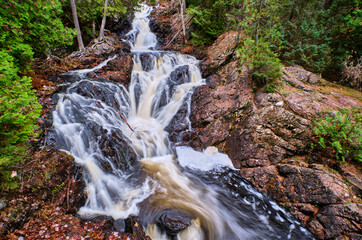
x: 119, y: 225
x: 174, y: 221
x: 2, y: 204
x: 279, y: 104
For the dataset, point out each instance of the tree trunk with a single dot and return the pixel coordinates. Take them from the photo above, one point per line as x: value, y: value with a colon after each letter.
x: 101, y: 32
x: 94, y: 29
x: 76, y: 24
x: 183, y: 5
x: 93, y: 22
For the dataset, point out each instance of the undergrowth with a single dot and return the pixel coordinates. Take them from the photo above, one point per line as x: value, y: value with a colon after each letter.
x: 341, y: 134
x: 9, y: 156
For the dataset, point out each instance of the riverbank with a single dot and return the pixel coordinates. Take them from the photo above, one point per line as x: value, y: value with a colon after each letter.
x: 267, y: 135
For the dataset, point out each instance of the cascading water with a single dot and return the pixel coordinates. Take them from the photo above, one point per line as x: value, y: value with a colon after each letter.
x: 118, y: 137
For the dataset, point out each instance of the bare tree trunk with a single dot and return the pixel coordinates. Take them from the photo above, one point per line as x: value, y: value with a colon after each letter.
x: 101, y: 32
x: 94, y: 29
x: 183, y: 5
x: 76, y: 23
x: 93, y: 22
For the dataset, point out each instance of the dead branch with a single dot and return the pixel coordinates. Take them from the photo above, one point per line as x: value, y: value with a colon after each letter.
x: 178, y: 32
x: 125, y: 121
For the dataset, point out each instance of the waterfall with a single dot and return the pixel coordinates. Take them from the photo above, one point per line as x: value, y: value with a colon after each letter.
x: 117, y: 135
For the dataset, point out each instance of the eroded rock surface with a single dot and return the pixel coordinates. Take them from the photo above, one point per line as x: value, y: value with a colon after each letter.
x: 268, y: 137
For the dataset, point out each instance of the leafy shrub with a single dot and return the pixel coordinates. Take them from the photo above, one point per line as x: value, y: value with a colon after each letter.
x: 341, y: 134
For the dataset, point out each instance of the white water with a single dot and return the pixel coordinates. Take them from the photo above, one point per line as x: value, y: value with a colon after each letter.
x: 186, y: 180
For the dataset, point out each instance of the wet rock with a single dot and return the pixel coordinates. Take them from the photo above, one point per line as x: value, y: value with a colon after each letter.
x: 336, y: 220
x: 124, y: 47
x: 118, y: 70
x: 117, y: 149
x: 173, y: 221
x: 265, y: 178
x: 134, y: 229
x: 305, y: 185
x: 121, y: 26
x: 119, y: 225
x: 178, y: 128
x: 147, y: 62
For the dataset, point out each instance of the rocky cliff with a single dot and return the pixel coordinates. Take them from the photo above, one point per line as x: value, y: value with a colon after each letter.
x: 268, y: 134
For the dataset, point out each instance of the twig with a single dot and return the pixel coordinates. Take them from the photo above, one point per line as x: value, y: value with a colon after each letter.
x: 125, y: 121
x: 68, y: 188
x: 179, y: 31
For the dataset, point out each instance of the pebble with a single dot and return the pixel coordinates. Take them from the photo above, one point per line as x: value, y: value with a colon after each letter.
x: 279, y: 104
x: 2, y: 204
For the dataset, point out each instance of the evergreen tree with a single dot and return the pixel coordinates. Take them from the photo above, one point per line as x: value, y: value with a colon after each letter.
x: 321, y: 36
x: 26, y: 28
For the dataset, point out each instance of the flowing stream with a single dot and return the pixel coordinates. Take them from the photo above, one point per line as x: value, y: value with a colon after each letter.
x: 117, y: 135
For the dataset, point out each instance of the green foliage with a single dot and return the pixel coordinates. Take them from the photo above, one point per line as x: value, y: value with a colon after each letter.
x: 318, y: 35
x: 310, y: 36
x: 341, y: 134
x: 57, y: 189
x: 35, y: 23
x: 19, y: 108
x: 92, y: 10
x: 209, y: 19
x: 271, y: 87
x: 264, y: 63
x: 10, y: 155
x: 304, y: 38
x: 152, y: 2
x: 257, y: 20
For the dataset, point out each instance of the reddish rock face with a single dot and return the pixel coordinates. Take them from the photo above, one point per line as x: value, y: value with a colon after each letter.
x: 268, y: 136
x: 216, y: 105
x: 220, y: 52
